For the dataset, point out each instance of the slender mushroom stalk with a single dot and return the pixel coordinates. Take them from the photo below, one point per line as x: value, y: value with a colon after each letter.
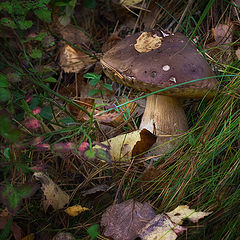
x: 164, y: 115
x: 175, y: 61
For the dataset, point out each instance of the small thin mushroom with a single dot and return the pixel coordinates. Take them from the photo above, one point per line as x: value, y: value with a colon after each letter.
x: 176, y: 61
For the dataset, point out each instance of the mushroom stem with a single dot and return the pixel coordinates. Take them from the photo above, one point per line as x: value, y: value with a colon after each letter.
x: 164, y: 115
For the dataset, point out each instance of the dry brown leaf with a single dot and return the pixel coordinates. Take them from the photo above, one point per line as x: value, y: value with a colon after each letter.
x: 72, y: 61
x: 146, y: 42
x: 74, y: 35
x: 123, y: 221
x: 53, y: 194
x: 134, y: 144
x: 223, y: 34
x: 183, y: 211
x: 115, y: 118
x: 75, y: 210
x: 87, y: 103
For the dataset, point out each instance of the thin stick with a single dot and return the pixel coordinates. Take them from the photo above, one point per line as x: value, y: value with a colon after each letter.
x: 183, y: 15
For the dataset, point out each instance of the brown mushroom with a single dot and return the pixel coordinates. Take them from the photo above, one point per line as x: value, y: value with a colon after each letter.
x: 176, y: 61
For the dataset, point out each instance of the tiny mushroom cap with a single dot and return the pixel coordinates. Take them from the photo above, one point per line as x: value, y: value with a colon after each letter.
x: 175, y: 61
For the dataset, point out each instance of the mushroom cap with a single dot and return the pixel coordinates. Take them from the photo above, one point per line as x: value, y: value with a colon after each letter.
x: 176, y: 61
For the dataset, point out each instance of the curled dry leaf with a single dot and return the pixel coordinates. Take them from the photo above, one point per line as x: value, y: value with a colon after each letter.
x: 146, y: 42
x: 75, y: 210
x: 123, y: 221
x: 53, y: 194
x: 73, y: 61
x: 183, y: 211
x: 134, y: 144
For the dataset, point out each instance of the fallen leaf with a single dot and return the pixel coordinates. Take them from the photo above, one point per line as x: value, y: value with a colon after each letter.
x: 73, y: 61
x: 238, y: 53
x: 98, y: 188
x: 159, y: 227
x: 134, y: 144
x: 183, y: 211
x: 123, y: 221
x: 87, y: 103
x: 54, y: 196
x: 12, y: 196
x: 222, y: 34
x: 14, y: 228
x: 146, y: 42
x: 63, y: 236
x: 130, y: 3
x: 29, y: 237
x: 75, y: 210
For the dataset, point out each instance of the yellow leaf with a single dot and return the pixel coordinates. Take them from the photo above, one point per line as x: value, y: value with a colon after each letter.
x: 29, y: 237
x: 75, y: 210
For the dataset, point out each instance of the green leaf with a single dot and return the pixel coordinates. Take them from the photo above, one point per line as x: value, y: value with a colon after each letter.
x: 90, y: 4
x: 92, y: 92
x: 5, y: 95
x: 67, y: 120
x: 12, y: 196
x: 93, y: 82
x: 64, y: 20
x: 43, y: 14
x: 90, y: 153
x: 3, y: 81
x: 36, y: 53
x: 72, y: 3
x: 8, y: 23
x: 60, y: 4
x: 50, y: 79
x: 39, y: 37
x: 7, y: 6
x: 93, y: 231
x: 46, y: 113
x: 6, y: 129
x: 92, y: 76
x: 107, y: 86
x: 25, y: 24
x: 7, y: 154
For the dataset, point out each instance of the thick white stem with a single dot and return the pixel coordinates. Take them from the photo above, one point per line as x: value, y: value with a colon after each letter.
x: 164, y: 115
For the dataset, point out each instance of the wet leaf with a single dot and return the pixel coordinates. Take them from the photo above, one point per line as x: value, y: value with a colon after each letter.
x: 75, y: 210
x: 123, y: 221
x: 146, y: 42
x: 54, y: 196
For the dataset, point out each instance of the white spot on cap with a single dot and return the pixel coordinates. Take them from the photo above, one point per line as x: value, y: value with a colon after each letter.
x: 173, y: 79
x: 166, y: 68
